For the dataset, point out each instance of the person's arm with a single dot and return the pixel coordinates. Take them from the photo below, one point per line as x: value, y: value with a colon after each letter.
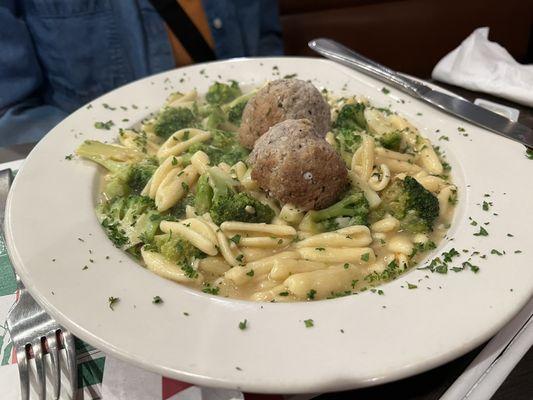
x: 24, y: 117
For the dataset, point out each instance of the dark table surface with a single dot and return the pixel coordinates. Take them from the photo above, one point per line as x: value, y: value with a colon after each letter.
x: 430, y: 385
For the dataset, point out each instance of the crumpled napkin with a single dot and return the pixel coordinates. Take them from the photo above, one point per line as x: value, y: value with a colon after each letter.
x: 484, y: 66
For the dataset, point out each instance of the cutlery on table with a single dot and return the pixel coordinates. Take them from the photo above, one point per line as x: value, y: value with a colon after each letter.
x: 35, y: 334
x: 461, y: 108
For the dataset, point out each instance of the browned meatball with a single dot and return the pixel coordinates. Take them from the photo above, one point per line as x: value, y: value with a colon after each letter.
x: 280, y: 100
x: 295, y: 165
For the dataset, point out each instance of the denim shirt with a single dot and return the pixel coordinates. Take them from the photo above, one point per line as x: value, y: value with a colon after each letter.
x: 57, y: 55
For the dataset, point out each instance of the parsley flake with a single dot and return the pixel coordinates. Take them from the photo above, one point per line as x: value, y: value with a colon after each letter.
x: 112, y: 301
x: 309, y: 323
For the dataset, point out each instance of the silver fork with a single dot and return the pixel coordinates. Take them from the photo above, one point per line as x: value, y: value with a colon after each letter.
x: 35, y: 333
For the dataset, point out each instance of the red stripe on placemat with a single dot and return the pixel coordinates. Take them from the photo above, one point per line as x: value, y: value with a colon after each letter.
x: 170, y: 387
x: 257, y: 396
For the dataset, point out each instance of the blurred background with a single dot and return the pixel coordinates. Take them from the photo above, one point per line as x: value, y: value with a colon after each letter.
x: 410, y: 36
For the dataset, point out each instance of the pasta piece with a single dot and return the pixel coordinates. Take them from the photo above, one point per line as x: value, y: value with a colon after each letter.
x: 383, y: 152
x: 200, y: 161
x: 190, y: 211
x: 223, y: 244
x: 420, y: 238
x: 397, y: 165
x: 387, y: 224
x: 174, y: 186
x: 214, y: 265
x: 242, y: 274
x: 432, y: 183
x: 257, y: 253
x: 378, y: 122
x: 247, y: 182
x: 338, y: 254
x: 353, y: 236
x: 372, y: 197
x: 282, y: 269
x: 330, y: 138
x: 278, y: 221
x: 291, y: 214
x: 325, y: 282
x: 264, y: 242
x: 380, y: 178
x: 178, y: 100
x: 177, y: 144
x: 271, y: 294
x: 158, y: 264
x: 363, y: 158
x: 270, y: 229
x: 161, y: 172
x: 429, y: 160
x: 444, y: 200
x: 239, y: 170
x: 400, y: 244
x: 142, y: 141
x: 195, y: 231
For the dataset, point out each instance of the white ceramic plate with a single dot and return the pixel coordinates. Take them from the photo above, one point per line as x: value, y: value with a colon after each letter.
x: 52, y: 234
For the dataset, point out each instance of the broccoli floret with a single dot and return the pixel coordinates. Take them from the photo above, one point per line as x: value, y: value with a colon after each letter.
x: 351, y: 210
x: 173, y: 119
x: 128, y: 221
x: 215, y: 118
x: 408, y: 201
x: 178, y: 250
x: 129, y: 171
x: 391, y: 140
x: 236, y: 107
x: 222, y: 147
x: 352, y: 116
x: 204, y: 195
x: 221, y: 93
x: 229, y: 205
x: 178, y: 211
x: 347, y: 143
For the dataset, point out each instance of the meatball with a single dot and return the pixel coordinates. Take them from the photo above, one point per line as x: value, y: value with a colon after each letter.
x: 295, y: 165
x: 280, y: 100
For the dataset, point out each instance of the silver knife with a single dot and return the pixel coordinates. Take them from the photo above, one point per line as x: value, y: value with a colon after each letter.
x: 453, y: 105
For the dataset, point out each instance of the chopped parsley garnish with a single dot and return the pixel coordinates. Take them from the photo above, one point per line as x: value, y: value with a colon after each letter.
x: 529, y: 154
x: 385, y: 90
x: 186, y: 313
x: 185, y: 186
x: 309, y: 323
x: 346, y: 265
x: 486, y: 206
x: 211, y: 290
x: 284, y: 294
x: 473, y: 268
x: 157, y: 300
x: 290, y: 76
x: 518, y: 251
x: 250, y: 273
x: 443, y: 137
x: 69, y: 157
x: 240, y: 258
x: 320, y: 249
x: 242, y: 325
x: 236, y: 239
x: 311, y: 294
x: 482, y: 232
x: 104, y: 125
x: 411, y: 286
x: 365, y: 257
x: 461, y: 129
x: 496, y: 252
x: 447, y: 256
x: 112, y: 301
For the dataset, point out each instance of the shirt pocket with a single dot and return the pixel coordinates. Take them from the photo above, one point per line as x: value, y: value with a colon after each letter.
x: 78, y: 45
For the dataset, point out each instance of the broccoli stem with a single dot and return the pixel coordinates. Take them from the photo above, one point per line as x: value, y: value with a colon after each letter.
x: 204, y: 194
x: 110, y: 156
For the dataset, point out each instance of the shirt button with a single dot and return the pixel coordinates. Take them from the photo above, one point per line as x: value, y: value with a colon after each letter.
x: 217, y: 23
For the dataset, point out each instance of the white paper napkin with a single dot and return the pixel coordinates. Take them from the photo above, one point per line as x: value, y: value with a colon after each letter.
x: 484, y: 66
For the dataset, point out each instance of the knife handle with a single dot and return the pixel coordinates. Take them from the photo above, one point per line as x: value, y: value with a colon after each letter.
x: 337, y: 52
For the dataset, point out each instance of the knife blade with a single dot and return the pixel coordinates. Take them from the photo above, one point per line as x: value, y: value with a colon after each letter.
x: 450, y: 104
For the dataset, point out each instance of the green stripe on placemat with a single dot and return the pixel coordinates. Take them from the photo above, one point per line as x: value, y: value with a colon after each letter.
x: 91, y: 372
x: 8, y: 283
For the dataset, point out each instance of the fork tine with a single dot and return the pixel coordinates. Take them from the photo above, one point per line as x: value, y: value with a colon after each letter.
x: 24, y: 375
x: 68, y: 343
x: 53, y: 349
x: 37, y: 347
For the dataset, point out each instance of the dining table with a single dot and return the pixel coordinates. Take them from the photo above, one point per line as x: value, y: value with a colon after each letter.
x: 430, y: 385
